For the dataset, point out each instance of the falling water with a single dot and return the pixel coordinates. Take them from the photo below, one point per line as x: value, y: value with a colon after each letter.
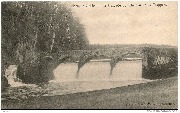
x: 99, y: 71
x: 128, y: 70
x: 94, y: 75
x: 10, y: 74
x: 65, y: 72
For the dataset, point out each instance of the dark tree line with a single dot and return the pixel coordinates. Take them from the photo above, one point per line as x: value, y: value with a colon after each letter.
x: 33, y: 30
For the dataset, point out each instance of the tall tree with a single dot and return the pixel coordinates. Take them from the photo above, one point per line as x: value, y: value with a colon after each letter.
x: 33, y: 30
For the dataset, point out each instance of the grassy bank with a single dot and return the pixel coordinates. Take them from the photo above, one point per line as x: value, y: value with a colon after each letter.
x: 161, y: 94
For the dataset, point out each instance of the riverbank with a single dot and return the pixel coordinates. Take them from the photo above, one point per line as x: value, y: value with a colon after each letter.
x: 161, y: 94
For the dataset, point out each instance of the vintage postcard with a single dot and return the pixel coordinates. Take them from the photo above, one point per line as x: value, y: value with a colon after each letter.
x: 89, y: 55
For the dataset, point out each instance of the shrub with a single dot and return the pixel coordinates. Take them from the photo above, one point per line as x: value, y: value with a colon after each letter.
x: 161, y: 63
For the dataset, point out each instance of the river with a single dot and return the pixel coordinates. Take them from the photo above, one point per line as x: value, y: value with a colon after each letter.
x: 92, y: 76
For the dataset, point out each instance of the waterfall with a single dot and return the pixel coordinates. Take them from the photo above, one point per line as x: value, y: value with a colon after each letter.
x: 11, y: 75
x: 127, y: 70
x: 99, y: 71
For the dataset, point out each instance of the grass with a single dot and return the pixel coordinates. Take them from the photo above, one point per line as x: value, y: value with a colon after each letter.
x: 160, y: 94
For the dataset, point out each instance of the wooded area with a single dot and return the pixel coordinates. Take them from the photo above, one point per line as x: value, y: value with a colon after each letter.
x: 31, y: 31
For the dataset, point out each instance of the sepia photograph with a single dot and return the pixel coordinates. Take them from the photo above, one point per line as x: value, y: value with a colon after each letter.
x: 89, y: 55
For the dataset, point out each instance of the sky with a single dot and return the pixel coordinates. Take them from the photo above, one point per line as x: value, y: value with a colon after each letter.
x: 132, y: 23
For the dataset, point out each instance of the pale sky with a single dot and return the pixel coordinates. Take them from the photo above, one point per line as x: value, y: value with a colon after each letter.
x: 136, y: 24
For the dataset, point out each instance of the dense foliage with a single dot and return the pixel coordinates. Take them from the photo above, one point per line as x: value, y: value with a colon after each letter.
x: 161, y: 63
x: 33, y: 30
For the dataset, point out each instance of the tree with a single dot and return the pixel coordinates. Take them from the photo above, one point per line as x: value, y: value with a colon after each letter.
x: 33, y: 30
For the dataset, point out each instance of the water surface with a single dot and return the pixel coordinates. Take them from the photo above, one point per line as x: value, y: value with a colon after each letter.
x: 92, y: 76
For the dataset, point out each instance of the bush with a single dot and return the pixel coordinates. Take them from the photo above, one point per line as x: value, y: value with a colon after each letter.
x: 161, y: 63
